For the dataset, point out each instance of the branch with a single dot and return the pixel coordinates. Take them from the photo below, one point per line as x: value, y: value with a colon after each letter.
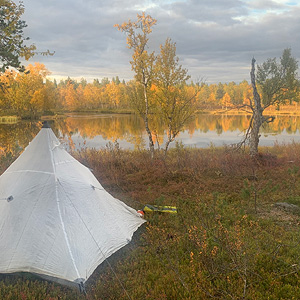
x: 269, y: 119
x: 246, y: 137
x: 45, y: 53
x: 241, y: 107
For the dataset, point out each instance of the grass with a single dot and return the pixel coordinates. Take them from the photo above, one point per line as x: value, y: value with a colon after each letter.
x: 8, y: 119
x: 228, y: 240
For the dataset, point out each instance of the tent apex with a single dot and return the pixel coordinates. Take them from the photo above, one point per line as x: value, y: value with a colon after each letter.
x: 46, y: 125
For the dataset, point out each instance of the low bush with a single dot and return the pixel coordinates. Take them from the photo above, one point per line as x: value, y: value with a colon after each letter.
x: 229, y: 239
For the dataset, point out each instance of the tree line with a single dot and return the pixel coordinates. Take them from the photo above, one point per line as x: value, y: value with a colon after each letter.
x: 31, y: 94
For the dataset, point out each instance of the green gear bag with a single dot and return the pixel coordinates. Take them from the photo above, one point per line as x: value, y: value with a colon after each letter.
x: 159, y: 208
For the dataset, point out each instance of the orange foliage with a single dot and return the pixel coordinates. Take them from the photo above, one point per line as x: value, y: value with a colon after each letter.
x: 31, y: 92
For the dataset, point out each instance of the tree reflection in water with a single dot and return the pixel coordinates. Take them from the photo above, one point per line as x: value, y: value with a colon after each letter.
x: 96, y: 131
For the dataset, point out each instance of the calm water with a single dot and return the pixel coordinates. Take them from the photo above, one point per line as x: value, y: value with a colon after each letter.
x: 96, y: 131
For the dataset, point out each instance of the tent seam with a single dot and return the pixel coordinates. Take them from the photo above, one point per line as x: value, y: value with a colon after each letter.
x: 28, y: 171
x: 97, y: 244
x: 59, y: 210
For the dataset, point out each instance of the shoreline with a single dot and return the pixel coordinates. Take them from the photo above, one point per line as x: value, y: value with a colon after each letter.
x: 13, y: 118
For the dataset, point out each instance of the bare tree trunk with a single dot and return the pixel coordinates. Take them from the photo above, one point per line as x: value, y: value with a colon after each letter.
x: 146, y: 121
x: 169, y: 140
x: 254, y: 134
x: 257, y: 115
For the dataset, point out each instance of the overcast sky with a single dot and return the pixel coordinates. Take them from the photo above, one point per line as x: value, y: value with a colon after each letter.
x: 215, y: 39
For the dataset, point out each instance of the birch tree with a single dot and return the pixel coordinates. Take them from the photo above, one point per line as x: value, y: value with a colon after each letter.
x: 142, y: 64
x: 174, y: 98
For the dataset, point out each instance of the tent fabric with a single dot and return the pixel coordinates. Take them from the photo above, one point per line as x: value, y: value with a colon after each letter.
x: 57, y: 220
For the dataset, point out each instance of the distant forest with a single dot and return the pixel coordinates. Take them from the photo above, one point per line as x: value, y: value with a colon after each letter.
x: 31, y: 94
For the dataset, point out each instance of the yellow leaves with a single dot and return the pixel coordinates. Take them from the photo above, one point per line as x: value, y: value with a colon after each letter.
x: 212, y: 98
x: 28, y: 52
x: 38, y: 99
x: 199, y: 237
x: 191, y: 257
x: 26, y: 92
x: 91, y: 96
x: 71, y: 97
x: 124, y: 26
x: 38, y: 69
x: 8, y: 76
x: 226, y: 100
x: 214, y: 251
x: 137, y: 33
x: 146, y: 22
x: 153, y: 88
x: 114, y: 93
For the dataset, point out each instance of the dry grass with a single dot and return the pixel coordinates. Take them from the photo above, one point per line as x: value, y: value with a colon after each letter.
x: 228, y: 240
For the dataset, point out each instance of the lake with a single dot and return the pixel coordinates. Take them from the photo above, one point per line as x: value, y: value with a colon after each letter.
x: 96, y: 131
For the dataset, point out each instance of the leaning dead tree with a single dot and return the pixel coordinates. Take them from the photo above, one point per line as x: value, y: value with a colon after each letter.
x: 277, y: 83
x: 257, y: 119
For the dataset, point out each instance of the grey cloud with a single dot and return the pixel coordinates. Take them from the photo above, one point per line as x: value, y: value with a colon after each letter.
x: 237, y: 42
x: 216, y: 11
x: 215, y: 39
x: 265, y: 4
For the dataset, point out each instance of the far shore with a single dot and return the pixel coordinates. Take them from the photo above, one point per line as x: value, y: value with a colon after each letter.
x: 12, y: 118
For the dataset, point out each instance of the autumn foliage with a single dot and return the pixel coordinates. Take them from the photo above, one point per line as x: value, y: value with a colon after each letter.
x: 229, y: 240
x: 31, y: 94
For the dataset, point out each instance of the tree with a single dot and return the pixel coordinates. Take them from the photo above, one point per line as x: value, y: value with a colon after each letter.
x: 7, y: 95
x: 92, y: 95
x: 31, y: 94
x: 203, y: 94
x: 142, y: 64
x: 278, y: 84
x: 51, y: 97
x: 220, y: 92
x: 114, y: 94
x: 71, y: 97
x: 116, y: 80
x: 246, y: 91
x: 175, y: 100
x: 105, y: 81
x: 226, y: 100
x: 12, y: 38
x: 231, y: 90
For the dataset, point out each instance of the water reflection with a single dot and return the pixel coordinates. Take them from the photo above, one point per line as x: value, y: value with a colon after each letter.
x: 96, y: 131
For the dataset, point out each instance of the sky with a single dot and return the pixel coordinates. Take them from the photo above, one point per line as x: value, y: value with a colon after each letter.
x: 215, y: 39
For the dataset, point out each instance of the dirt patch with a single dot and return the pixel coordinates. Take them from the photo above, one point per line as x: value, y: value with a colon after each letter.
x: 282, y: 212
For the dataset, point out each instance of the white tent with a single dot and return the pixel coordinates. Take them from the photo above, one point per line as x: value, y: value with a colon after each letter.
x: 56, y: 220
